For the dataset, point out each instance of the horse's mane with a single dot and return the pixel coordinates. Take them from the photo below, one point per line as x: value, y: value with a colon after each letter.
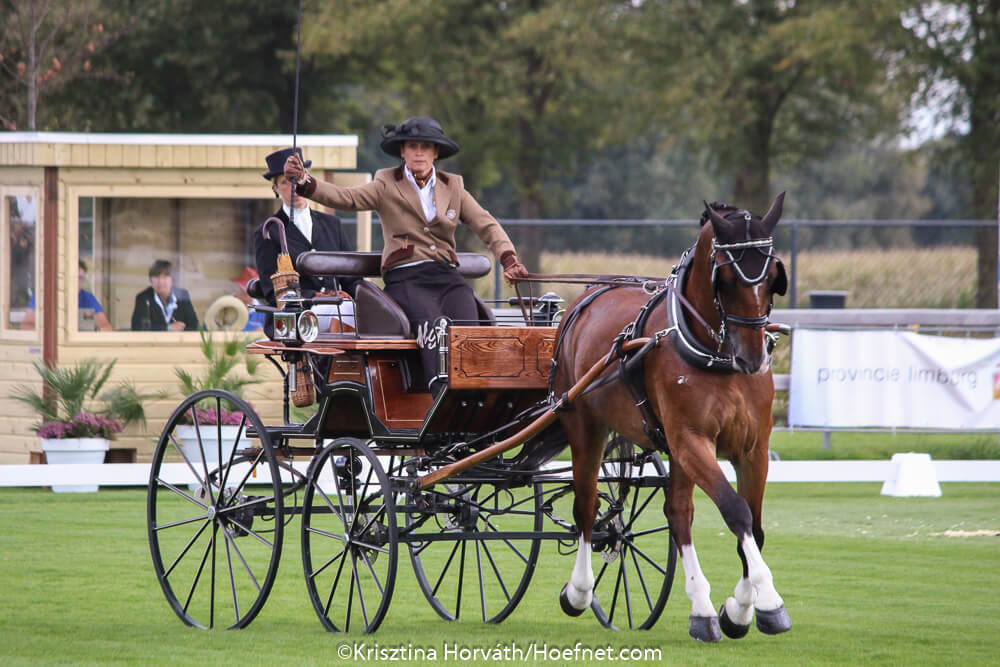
x: 719, y: 207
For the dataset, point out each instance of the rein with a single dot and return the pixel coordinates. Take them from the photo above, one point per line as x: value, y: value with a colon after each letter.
x: 650, y: 285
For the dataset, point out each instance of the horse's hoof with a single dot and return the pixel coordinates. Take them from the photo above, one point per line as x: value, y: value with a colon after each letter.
x: 569, y: 609
x: 705, y: 629
x: 731, y: 629
x: 774, y: 622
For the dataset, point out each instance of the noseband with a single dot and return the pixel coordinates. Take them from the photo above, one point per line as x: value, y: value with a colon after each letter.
x: 729, y: 259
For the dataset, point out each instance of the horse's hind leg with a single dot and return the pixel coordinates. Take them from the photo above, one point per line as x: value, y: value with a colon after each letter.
x: 587, y: 444
x: 755, y: 589
x: 703, y: 623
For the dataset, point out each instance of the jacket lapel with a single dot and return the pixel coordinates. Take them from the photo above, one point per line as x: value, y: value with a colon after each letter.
x: 409, y: 193
x: 295, y: 239
x: 442, y: 195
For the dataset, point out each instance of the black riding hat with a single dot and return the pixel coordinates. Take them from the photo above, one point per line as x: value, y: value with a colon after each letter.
x: 276, y: 162
x: 421, y: 128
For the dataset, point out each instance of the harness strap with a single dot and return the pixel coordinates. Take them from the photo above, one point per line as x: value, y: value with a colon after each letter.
x: 568, y: 320
x: 633, y: 373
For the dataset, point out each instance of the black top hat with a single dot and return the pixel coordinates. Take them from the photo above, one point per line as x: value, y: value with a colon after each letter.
x: 421, y: 128
x: 276, y: 162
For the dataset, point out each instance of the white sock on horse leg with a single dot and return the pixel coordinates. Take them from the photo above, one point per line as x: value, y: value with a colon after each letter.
x: 580, y: 591
x: 695, y: 584
x: 739, y: 608
x: 760, y: 576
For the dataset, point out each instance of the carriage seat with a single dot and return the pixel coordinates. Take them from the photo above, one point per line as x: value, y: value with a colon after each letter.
x: 376, y: 312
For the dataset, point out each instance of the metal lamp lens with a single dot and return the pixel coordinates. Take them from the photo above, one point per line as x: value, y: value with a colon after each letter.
x: 308, y: 326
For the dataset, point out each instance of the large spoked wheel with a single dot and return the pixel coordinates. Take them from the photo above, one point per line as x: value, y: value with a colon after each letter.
x: 214, y: 511
x: 638, y: 557
x: 474, y: 547
x: 349, y: 537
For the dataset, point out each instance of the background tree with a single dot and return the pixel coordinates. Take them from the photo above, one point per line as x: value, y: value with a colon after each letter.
x: 958, y: 45
x: 527, y: 88
x: 770, y: 82
x: 44, y: 45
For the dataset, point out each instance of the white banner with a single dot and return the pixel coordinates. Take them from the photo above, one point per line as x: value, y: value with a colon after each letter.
x: 893, y: 379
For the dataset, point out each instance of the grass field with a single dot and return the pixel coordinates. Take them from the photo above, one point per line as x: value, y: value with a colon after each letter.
x: 866, y: 579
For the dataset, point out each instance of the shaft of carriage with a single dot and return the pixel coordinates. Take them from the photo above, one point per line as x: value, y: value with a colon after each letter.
x: 535, y: 427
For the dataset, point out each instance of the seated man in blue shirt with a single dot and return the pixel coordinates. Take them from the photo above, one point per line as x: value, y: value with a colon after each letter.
x: 161, y: 306
x: 85, y: 302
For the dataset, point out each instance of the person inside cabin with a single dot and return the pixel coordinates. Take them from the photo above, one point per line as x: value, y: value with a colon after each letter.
x: 420, y: 207
x: 91, y: 314
x: 161, y: 306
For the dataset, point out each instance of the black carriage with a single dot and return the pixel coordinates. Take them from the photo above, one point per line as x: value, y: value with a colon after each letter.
x: 466, y: 480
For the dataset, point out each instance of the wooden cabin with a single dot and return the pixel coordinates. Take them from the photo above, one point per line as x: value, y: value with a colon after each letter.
x: 93, y: 212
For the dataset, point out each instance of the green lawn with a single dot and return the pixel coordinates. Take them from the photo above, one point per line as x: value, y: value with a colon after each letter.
x: 808, y: 445
x: 866, y: 579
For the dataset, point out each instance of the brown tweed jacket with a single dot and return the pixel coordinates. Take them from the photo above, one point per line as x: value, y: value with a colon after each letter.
x: 409, y: 236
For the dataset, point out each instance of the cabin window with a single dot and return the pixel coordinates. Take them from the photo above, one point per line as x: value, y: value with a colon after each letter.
x: 207, y: 243
x: 19, y: 220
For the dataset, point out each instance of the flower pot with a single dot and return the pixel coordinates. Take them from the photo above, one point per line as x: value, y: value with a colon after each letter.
x: 188, y: 440
x: 75, y: 450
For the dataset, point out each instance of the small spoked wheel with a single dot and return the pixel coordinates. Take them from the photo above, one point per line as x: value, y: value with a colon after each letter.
x: 632, y: 538
x: 214, y: 510
x: 349, y: 537
x: 474, y: 547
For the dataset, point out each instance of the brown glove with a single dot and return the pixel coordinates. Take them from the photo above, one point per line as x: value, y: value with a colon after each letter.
x: 513, y: 270
x: 294, y: 171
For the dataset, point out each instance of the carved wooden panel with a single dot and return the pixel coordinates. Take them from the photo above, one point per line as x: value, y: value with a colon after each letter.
x: 500, y: 357
x: 394, y: 406
x: 348, y: 367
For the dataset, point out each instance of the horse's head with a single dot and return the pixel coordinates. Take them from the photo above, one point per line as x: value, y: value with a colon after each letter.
x: 744, y: 275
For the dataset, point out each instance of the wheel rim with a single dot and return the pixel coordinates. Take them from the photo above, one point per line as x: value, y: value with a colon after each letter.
x: 469, y: 567
x: 216, y: 540
x: 638, y: 557
x: 349, y: 548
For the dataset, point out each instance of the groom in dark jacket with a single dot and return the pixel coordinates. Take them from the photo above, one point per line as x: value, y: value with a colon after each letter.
x: 310, y: 230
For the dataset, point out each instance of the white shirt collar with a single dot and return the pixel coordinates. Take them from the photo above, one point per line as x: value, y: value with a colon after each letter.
x: 302, y: 219
x: 426, y: 193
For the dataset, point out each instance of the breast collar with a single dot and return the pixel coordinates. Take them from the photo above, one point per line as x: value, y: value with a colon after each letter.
x: 688, y: 346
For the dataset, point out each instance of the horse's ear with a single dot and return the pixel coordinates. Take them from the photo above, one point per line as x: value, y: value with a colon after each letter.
x: 718, y: 221
x: 773, y: 214
x: 780, y: 284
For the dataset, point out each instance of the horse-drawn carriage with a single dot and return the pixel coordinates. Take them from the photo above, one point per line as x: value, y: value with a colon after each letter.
x: 466, y: 480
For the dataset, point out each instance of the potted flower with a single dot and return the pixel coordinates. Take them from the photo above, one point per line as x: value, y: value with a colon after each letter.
x: 223, y: 359
x: 77, y: 421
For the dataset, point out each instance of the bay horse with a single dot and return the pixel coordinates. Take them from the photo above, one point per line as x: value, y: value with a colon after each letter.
x: 707, y: 390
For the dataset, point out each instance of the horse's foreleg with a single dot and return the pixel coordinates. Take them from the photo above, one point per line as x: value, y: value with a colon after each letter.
x: 703, y: 623
x: 755, y: 590
x: 588, y: 451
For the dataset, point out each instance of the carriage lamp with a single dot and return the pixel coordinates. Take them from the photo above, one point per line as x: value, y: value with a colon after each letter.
x: 284, y: 326
x: 308, y: 326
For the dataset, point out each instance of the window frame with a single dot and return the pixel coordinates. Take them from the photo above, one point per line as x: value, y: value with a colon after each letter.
x: 153, y: 191
x: 6, y: 332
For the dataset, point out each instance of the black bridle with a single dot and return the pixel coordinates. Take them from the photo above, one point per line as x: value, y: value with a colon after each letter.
x: 764, y: 246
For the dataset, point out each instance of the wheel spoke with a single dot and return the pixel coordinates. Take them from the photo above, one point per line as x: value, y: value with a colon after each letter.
x: 361, y: 593
x: 328, y: 563
x: 447, y: 564
x: 184, y: 551
x: 461, y: 580
x: 232, y: 578
x: 246, y: 565
x: 496, y: 570
x: 649, y: 560
x: 642, y: 579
